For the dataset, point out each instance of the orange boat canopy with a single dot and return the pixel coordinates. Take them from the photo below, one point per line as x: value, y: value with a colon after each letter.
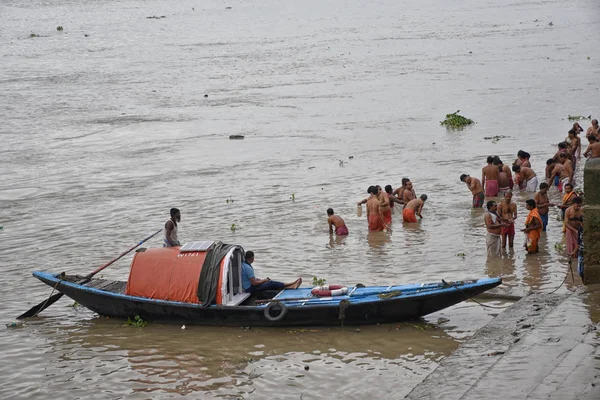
x: 205, y: 269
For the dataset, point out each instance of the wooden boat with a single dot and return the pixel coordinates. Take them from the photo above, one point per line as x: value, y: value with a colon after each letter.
x: 200, y: 283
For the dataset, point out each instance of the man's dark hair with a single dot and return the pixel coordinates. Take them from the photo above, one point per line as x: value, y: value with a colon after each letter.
x: 569, y: 185
x: 526, y: 154
x: 550, y: 161
x: 490, y: 204
x: 423, y: 197
x: 388, y: 188
x: 578, y: 200
x: 370, y: 189
x: 531, y: 203
x: 497, y: 160
x: 174, y: 211
x: 521, y: 153
x: 490, y: 159
x: 592, y: 138
x: 562, y: 145
x: 562, y: 155
x: 463, y: 177
x: 330, y: 211
x: 573, y: 131
x: 544, y: 185
x: 249, y: 255
x: 405, y: 181
x: 516, y: 168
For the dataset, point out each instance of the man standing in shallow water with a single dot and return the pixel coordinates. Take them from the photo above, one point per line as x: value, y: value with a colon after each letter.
x: 489, y: 178
x: 476, y: 189
x: 508, y: 212
x: 543, y: 202
x: 494, y: 225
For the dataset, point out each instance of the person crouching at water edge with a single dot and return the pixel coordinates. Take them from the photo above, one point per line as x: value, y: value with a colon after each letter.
x: 170, y: 233
x: 494, y: 226
x: 533, y: 227
x: 413, y: 207
x: 338, y: 222
x: 476, y: 189
x: 251, y: 284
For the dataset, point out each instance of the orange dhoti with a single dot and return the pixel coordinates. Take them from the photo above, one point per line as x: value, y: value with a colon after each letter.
x: 375, y: 222
x: 408, y: 215
x: 387, y: 216
x: 533, y: 236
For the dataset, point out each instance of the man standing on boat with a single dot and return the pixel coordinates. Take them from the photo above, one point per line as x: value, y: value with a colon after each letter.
x: 170, y: 235
x: 251, y: 284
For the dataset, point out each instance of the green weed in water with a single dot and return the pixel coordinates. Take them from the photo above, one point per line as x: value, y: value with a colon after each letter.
x: 455, y: 120
x: 578, y: 117
x: 137, y: 322
x: 559, y: 246
x: 233, y: 227
x: 293, y: 197
x: 75, y: 304
x: 59, y: 28
x: 463, y: 255
x: 34, y: 35
x: 318, y: 281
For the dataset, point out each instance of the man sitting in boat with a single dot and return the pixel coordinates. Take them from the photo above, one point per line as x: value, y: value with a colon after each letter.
x: 251, y: 284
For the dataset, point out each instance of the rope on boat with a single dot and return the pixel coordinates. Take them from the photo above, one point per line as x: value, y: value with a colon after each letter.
x: 452, y: 284
x: 344, y: 304
x: 61, y: 277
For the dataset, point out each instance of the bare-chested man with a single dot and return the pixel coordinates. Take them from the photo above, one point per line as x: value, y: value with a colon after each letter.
x: 506, y: 169
x: 476, y: 189
x: 413, y: 207
x: 574, y: 222
x: 528, y: 177
x: 337, y: 222
x: 374, y: 210
x: 494, y: 225
x: 503, y: 182
x: 593, y: 130
x: 593, y: 149
x: 543, y: 203
x: 508, y: 213
x: 566, y: 175
x: 408, y: 193
x: 489, y: 178
x: 574, y: 144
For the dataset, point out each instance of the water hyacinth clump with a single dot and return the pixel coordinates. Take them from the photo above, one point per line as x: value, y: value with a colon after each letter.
x: 455, y: 120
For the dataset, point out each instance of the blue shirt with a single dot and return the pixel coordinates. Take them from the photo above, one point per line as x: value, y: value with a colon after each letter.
x: 247, y: 274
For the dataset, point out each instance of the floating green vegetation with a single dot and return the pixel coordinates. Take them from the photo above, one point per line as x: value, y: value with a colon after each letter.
x: 75, y: 304
x: 138, y: 322
x: 229, y: 200
x: 318, y: 281
x: 34, y: 35
x: 293, y: 197
x: 59, y: 28
x: 233, y: 227
x: 496, y: 138
x: 463, y: 255
x: 578, y: 117
x: 559, y: 246
x: 456, y: 120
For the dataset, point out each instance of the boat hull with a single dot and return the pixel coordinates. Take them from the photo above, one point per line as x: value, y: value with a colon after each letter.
x: 360, y: 308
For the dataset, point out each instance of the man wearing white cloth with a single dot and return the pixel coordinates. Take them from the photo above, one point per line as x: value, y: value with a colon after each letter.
x: 494, y: 225
x: 528, y: 177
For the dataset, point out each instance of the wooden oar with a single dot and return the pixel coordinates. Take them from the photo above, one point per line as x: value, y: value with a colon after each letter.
x: 53, y: 299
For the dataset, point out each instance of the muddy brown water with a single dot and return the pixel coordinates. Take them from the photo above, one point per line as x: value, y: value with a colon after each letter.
x: 112, y: 121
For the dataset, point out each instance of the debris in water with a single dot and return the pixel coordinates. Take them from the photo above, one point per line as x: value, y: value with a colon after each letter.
x: 236, y: 136
x: 156, y: 17
x: 205, y: 96
x: 578, y: 117
x: 182, y: 326
x: 455, y: 120
x: 59, y: 28
x: 306, y: 367
x: 496, y: 138
x: 495, y: 353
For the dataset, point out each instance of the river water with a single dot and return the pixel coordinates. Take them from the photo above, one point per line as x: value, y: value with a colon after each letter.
x: 118, y: 117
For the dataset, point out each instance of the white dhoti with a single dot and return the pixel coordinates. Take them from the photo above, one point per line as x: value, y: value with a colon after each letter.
x: 563, y: 182
x: 494, y: 244
x: 532, y: 184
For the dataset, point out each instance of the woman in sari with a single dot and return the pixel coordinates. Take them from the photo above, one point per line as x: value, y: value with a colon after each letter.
x: 533, y: 227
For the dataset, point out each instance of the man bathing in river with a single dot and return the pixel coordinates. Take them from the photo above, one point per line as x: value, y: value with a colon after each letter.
x: 527, y: 177
x: 476, y: 189
x: 489, y: 178
x: 375, y: 210
x: 593, y: 149
x: 170, y: 233
x: 533, y: 227
x: 251, y: 284
x: 573, y: 223
x: 543, y: 203
x: 494, y: 225
x: 337, y: 222
x: 508, y: 212
x: 593, y: 130
x: 566, y: 174
x: 413, y: 207
x: 504, y: 169
x: 392, y: 200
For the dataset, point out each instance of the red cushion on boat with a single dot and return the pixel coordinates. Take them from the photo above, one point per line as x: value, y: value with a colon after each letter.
x: 166, y: 274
